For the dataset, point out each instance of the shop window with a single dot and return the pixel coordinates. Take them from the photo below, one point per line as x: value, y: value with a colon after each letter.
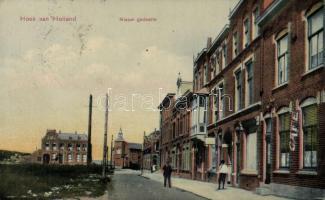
x: 284, y: 133
x: 310, y: 136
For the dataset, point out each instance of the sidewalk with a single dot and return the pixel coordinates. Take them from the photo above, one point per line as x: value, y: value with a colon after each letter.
x: 209, y: 190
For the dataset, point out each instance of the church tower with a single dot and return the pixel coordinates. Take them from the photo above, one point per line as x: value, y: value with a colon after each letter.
x: 119, y: 150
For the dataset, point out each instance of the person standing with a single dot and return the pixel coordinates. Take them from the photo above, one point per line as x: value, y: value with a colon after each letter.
x: 223, y: 171
x: 167, y: 173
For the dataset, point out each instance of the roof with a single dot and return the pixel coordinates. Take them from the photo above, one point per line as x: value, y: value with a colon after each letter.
x: 202, y: 52
x: 220, y: 38
x: 165, y: 99
x: 134, y: 146
x: 233, y: 11
x: 120, y: 136
x: 72, y: 136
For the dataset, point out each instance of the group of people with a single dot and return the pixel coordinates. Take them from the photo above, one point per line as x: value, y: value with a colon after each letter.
x: 222, y: 170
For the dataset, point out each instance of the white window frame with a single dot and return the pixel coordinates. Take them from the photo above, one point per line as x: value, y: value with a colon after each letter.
x: 235, y: 45
x: 223, y: 55
x: 246, y: 36
x: 255, y: 28
x: 317, y: 9
x: 283, y: 34
x: 247, y: 89
x: 283, y: 110
x: 237, y: 101
x: 307, y: 102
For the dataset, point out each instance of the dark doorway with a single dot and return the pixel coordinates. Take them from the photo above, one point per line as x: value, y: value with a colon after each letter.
x: 46, y: 159
x: 268, y: 123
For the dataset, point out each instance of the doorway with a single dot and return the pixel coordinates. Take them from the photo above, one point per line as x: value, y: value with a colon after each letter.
x: 46, y: 159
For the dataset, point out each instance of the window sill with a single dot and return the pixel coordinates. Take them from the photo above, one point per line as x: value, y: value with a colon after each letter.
x: 312, y: 71
x: 279, y: 87
x: 281, y: 171
x: 307, y: 172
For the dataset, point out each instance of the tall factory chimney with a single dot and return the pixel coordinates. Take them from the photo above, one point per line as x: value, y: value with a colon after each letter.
x: 89, y: 151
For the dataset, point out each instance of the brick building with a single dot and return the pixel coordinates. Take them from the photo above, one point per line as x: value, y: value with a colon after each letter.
x: 175, y: 129
x: 151, y: 150
x: 258, y: 100
x: 126, y: 154
x: 293, y: 98
x: 62, y: 148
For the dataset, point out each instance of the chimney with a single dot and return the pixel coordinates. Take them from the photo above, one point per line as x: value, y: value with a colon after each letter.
x: 89, y: 149
x: 209, y: 42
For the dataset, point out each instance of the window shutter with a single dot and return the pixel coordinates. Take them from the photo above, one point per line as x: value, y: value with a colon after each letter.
x: 310, y: 115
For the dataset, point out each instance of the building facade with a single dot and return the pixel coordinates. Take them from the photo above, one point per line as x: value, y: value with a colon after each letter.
x: 62, y: 148
x: 175, y: 128
x: 126, y: 154
x: 258, y: 101
x: 293, y: 98
x: 151, y: 151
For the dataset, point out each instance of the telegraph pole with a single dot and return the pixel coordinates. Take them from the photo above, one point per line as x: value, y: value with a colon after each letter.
x: 105, y: 148
x: 89, y: 149
x: 144, y: 135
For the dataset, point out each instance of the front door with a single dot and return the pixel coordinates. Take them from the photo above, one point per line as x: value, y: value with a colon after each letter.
x: 46, y: 159
x: 268, y: 134
x: 268, y: 160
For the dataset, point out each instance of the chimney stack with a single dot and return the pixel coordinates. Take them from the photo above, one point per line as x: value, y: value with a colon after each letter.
x: 89, y: 149
x: 209, y: 42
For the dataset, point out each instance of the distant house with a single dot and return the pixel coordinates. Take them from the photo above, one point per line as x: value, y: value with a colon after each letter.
x: 62, y: 148
x: 126, y: 155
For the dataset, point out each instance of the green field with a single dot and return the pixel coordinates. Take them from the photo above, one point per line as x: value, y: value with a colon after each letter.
x: 34, y: 181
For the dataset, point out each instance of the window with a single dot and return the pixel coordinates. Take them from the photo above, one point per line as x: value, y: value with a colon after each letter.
x: 78, y: 158
x: 235, y: 45
x: 84, y: 147
x: 250, y: 87
x: 62, y: 146
x: 315, y: 39
x: 284, y: 133
x: 224, y: 56
x: 246, y: 33
x: 47, y: 146
x: 78, y: 147
x: 256, y: 14
x: 310, y: 129
x: 238, y: 95
x: 215, y: 112
x: 54, y: 146
x: 282, y: 58
x: 251, y: 151
x: 221, y: 102
x: 202, y: 101
x: 84, y: 158
x: 206, y: 72
x: 69, y: 157
x: 70, y: 147
x: 53, y: 156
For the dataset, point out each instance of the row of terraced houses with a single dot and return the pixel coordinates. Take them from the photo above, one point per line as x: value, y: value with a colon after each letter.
x: 257, y: 101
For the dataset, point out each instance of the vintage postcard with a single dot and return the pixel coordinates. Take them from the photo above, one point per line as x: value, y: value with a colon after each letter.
x: 172, y: 99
